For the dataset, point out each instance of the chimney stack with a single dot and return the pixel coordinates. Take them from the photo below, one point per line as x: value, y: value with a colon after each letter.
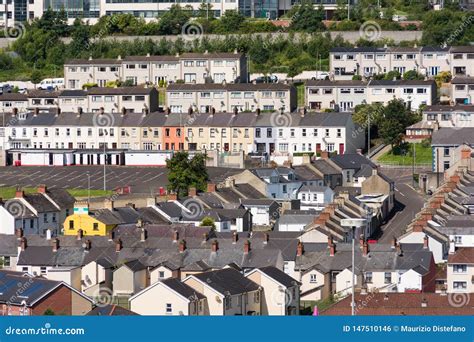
x: 332, y: 249
x: 55, y: 244
x: 19, y: 233
x: 246, y: 247
x: 23, y: 243
x: 42, y: 189
x: 118, y: 245
x: 109, y: 204
x: 205, y: 236
x: 192, y: 192
x: 143, y: 234
x: 175, y: 236
x: 299, y: 249
x: 19, y: 193
x: 111, y: 235
x: 235, y: 237
x: 80, y: 234
x: 330, y: 241
x: 399, y: 249
x: 214, y: 246
x: 365, y: 249
x: 394, y: 242
x: 361, y: 240
x: 182, y: 246
x: 266, y: 237
x: 87, y: 245
x: 211, y: 187
x: 425, y: 242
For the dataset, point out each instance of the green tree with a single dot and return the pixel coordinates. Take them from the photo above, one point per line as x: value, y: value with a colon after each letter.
x: 48, y: 312
x: 412, y: 75
x: 307, y: 18
x: 173, y: 20
x: 391, y: 75
x: 36, y: 76
x: 185, y: 172
x: 230, y: 22
x: 396, y: 118
x: 341, y: 10
x: 208, y: 222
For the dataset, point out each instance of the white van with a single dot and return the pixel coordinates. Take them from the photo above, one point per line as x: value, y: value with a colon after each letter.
x: 51, y: 83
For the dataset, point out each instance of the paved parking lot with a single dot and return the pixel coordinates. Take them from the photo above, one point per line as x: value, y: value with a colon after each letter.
x: 140, y: 179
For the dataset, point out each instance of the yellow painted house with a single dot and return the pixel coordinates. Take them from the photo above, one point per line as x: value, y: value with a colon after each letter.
x: 98, y: 223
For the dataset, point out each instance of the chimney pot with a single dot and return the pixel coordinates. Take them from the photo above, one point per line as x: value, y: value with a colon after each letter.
x: 266, y: 237
x: 143, y: 234
x: 425, y: 242
x: 88, y: 245
x: 111, y: 235
x: 205, y: 236
x: 247, y: 247
x: 175, y: 236
x: 19, y: 193
x: 55, y: 244
x: 192, y: 192
x: 80, y: 234
x: 332, y: 249
x: 211, y: 187
x: 19, y: 233
x: 235, y: 237
x: 299, y: 249
x: 42, y: 189
x: 214, y: 246
x: 23, y: 243
x: 394, y: 242
x: 182, y: 246
x: 365, y: 249
x: 118, y: 245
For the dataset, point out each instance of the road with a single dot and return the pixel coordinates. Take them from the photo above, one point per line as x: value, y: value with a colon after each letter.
x: 408, y: 203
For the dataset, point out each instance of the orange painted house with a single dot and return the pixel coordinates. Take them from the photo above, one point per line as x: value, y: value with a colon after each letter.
x: 174, y: 131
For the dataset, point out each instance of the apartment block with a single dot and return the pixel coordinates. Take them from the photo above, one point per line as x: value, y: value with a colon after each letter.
x: 189, y: 68
x: 345, y: 95
x: 428, y: 61
x: 229, y: 97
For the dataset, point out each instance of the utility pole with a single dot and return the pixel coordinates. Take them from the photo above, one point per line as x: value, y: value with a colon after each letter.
x: 348, y: 9
x: 368, y: 135
x: 353, y: 272
x: 413, y: 170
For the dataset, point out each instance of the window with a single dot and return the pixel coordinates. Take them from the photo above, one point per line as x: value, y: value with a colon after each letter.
x: 460, y: 285
x: 459, y: 268
x: 95, y: 226
x: 368, y: 277
x: 388, y: 277
x: 6, y: 261
x: 327, y: 133
x: 257, y: 133
x: 458, y: 239
x: 269, y: 132
x: 292, y: 132
x: 43, y: 270
x: 330, y: 147
x: 338, y: 132
x: 446, y: 152
x: 161, y: 274
x: 169, y: 308
x: 446, y: 165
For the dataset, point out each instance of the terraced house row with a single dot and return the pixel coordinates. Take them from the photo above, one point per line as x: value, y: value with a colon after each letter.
x: 427, y: 60
x: 188, y: 67
x: 88, y: 135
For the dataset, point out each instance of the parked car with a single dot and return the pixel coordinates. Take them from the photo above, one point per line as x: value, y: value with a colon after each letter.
x: 266, y: 79
x: 5, y: 88
x: 321, y: 75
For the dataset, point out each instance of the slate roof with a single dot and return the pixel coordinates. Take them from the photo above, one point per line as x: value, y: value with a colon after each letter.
x: 182, y: 288
x: 380, y: 257
x: 453, y: 136
x: 13, y: 97
x: 228, y: 87
x: 227, y: 281
x: 462, y: 80
x: 40, y: 203
x: 342, y: 83
x: 375, y: 83
x: 352, y: 161
x: 447, y: 108
x: 110, y: 310
x: 35, y: 288
x: 279, y: 276
x: 404, y: 304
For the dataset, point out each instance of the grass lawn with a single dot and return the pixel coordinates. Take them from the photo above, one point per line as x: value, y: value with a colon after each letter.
x: 300, y: 93
x: 404, y: 155
x: 9, y: 192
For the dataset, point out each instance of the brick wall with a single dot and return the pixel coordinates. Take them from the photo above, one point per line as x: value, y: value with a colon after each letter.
x: 59, y: 301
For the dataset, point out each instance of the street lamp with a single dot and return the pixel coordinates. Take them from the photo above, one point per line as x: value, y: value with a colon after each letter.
x: 88, y: 187
x: 353, y: 223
